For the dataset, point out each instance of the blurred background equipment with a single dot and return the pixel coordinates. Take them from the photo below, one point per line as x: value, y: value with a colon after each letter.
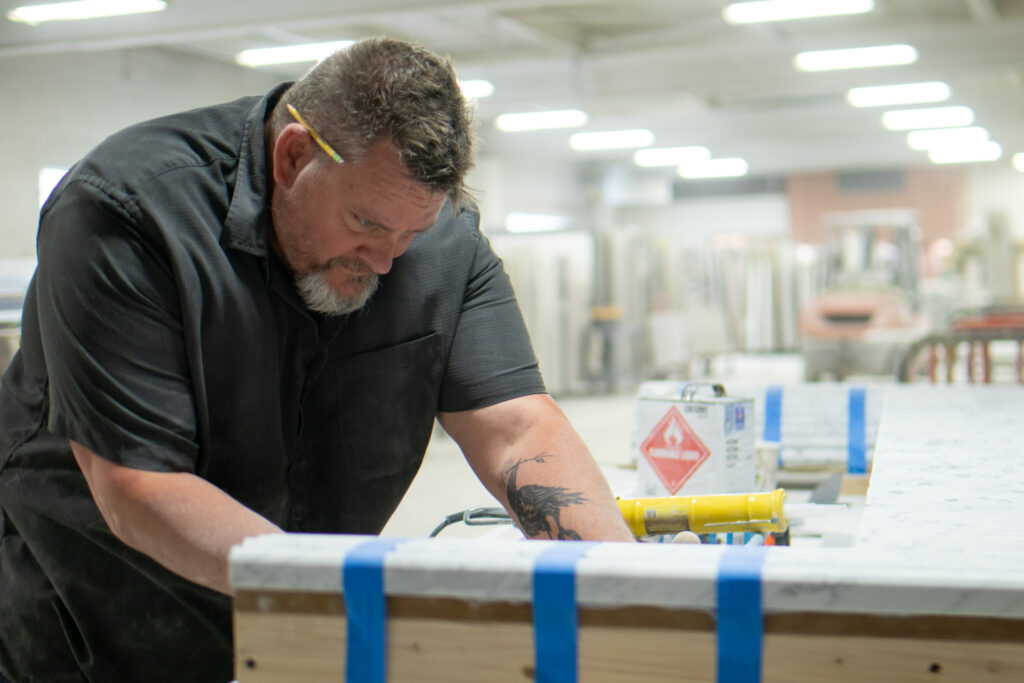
x: 867, y: 310
x: 981, y: 345
x: 15, y: 274
x: 705, y: 242
x: 978, y: 329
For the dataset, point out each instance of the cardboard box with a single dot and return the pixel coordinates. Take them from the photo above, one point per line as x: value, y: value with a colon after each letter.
x: 699, y: 441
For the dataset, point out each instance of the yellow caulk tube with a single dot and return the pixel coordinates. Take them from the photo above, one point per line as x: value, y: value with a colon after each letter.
x: 719, y: 513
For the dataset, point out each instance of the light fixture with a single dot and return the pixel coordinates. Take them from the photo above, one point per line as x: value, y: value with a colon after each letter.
x: 611, y: 139
x: 958, y: 154
x: 855, y: 58
x: 783, y: 10
x: 670, y: 156
x: 940, y: 137
x: 934, y: 117
x: 535, y: 222
x: 541, y: 120
x: 730, y: 167
x: 1018, y: 161
x: 806, y: 254
x: 82, y: 9
x: 287, y: 54
x: 475, y: 89
x: 906, y: 93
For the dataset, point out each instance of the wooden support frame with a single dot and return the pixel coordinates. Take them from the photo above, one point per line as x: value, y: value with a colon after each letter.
x: 296, y: 636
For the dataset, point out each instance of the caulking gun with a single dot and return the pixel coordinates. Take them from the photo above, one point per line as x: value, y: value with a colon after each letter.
x: 707, y: 514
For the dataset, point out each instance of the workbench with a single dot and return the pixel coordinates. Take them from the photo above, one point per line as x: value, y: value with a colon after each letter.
x: 931, y: 589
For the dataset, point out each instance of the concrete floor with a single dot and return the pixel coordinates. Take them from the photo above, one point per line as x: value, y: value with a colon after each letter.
x: 446, y: 484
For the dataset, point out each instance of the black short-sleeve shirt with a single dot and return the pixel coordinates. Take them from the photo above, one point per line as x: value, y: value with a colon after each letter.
x: 161, y: 332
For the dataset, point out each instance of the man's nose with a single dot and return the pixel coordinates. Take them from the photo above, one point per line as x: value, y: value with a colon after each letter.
x: 381, y: 253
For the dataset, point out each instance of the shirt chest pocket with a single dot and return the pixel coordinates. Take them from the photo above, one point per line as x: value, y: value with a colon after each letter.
x: 388, y: 400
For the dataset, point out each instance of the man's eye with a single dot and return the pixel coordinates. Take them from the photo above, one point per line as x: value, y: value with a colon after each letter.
x: 365, y: 222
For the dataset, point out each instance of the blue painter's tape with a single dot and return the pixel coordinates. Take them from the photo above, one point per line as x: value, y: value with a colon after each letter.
x: 740, y: 615
x: 773, y: 414
x: 856, y: 440
x: 362, y: 582
x: 555, y: 618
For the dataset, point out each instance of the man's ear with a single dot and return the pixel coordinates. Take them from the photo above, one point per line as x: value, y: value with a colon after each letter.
x: 292, y: 151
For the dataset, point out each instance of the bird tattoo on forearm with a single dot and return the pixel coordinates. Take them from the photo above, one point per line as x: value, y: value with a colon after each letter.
x: 539, y: 507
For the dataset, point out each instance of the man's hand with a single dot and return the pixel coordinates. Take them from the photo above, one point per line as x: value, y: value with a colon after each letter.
x: 530, y: 458
x: 180, y: 520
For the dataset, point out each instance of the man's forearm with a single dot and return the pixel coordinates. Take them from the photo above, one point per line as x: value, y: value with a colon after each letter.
x: 180, y: 520
x: 562, y: 496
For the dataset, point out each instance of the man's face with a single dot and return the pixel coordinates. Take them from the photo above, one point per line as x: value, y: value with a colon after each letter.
x: 337, y: 227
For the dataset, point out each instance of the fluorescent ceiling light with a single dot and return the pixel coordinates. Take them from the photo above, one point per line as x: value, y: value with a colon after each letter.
x: 783, y: 10
x: 985, y: 151
x: 670, y: 156
x: 941, y: 137
x: 907, y: 93
x: 714, y: 168
x: 474, y: 90
x: 855, y: 58
x: 83, y: 9
x: 535, y: 222
x: 935, y: 117
x: 541, y: 120
x: 287, y: 54
x: 611, y: 139
x: 1018, y: 161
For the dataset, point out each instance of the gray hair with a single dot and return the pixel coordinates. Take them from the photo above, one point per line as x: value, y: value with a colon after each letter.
x: 381, y: 88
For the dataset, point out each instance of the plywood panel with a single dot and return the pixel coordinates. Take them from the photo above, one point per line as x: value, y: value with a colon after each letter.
x: 297, y: 637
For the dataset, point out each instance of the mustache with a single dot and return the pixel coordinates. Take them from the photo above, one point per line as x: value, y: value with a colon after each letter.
x: 355, y: 266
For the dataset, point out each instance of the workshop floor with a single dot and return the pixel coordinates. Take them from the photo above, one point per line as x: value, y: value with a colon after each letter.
x: 446, y: 484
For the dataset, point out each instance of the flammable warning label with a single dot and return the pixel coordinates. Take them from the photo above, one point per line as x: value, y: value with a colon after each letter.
x: 673, y: 450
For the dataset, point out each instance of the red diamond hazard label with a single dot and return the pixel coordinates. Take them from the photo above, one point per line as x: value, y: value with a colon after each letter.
x: 673, y: 450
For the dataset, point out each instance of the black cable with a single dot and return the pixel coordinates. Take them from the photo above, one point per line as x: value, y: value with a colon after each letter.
x: 448, y: 521
x: 471, y: 517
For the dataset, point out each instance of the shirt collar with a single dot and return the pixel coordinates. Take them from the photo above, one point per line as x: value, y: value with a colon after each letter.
x: 248, y: 219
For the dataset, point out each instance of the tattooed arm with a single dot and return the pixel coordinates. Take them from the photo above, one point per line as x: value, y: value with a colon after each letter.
x: 530, y: 458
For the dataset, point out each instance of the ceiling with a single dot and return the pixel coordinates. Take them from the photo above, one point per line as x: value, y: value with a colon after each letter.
x: 672, y: 66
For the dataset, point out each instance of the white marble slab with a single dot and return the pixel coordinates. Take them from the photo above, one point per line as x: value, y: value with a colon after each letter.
x: 940, y: 535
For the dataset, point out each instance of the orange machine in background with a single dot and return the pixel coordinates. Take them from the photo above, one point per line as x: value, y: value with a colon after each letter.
x: 867, y: 312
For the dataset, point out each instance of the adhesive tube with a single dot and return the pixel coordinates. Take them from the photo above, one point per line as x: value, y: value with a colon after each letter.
x: 730, y: 512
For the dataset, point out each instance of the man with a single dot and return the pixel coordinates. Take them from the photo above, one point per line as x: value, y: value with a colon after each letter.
x: 244, y: 320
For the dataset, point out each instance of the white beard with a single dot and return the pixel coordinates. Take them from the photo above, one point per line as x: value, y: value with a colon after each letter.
x: 318, y: 296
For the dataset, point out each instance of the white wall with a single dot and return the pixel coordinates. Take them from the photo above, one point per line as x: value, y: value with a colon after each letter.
x: 526, y: 184
x: 57, y: 107
x: 694, y: 221
x: 995, y: 189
